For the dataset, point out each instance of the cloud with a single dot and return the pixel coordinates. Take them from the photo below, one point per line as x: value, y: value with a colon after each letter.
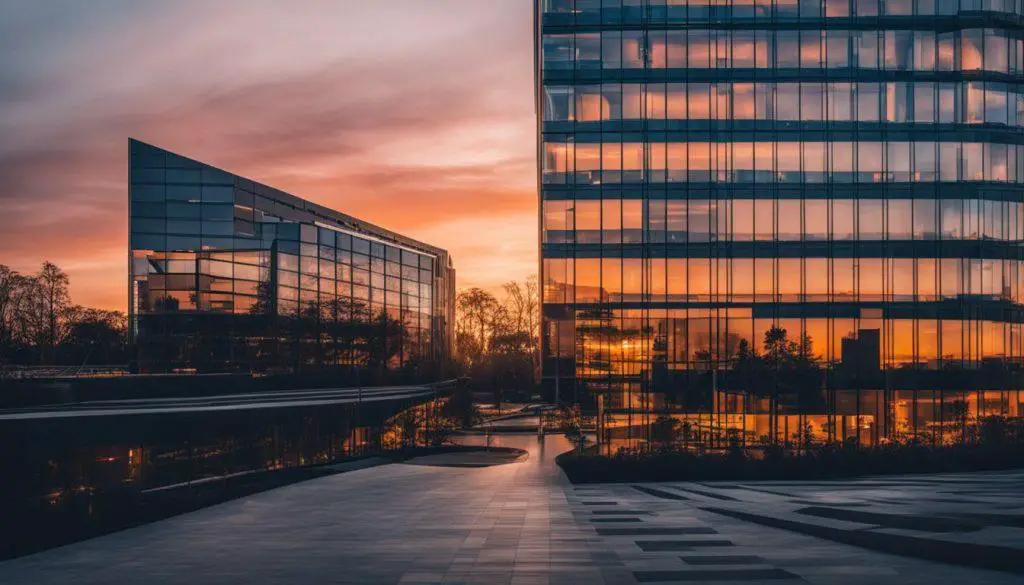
x: 415, y: 116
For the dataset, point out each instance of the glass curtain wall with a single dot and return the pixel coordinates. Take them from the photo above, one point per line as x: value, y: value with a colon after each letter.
x: 230, y: 275
x: 774, y: 221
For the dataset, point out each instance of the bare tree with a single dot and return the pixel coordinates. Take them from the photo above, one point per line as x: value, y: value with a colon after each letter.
x: 9, y: 285
x: 38, y: 323
x: 498, y: 339
x: 30, y: 308
x: 475, y: 320
x: 53, y: 285
x: 522, y: 304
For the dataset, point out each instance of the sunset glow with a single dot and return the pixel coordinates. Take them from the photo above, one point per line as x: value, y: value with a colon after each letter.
x: 417, y: 117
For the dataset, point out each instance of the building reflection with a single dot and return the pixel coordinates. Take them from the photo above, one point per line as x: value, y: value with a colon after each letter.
x: 703, y: 370
x: 72, y: 478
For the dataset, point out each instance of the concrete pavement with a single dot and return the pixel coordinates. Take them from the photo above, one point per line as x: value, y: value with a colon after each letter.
x: 519, y: 523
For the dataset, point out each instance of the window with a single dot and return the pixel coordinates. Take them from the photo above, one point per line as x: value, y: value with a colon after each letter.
x: 870, y: 223
x: 743, y: 101
x: 837, y: 48
x: 632, y: 221
x: 842, y: 219
x: 811, y: 102
x: 743, y: 220
x: 950, y: 214
x: 787, y: 50
x: 588, y: 280
x: 590, y: 104
x: 900, y: 219
x: 700, y: 221
x: 840, y: 102
x: 558, y: 51
x: 924, y: 102
x: 811, y: 53
x: 655, y: 221
x: 611, y: 221
x: 866, y: 48
x: 675, y: 218
x: 789, y: 220
x: 558, y: 222
x: 971, y: 50
x: 868, y: 98
x: 764, y: 219
x: 588, y: 221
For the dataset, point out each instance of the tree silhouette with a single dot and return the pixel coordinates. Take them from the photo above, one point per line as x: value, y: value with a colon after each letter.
x: 786, y: 372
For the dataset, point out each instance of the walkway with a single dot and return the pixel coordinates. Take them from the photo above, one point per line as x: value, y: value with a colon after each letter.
x: 517, y: 523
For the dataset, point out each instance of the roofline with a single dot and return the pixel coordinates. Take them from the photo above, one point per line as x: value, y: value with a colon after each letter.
x: 347, y: 221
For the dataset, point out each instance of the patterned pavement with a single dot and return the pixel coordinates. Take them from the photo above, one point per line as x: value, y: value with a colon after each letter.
x: 523, y: 523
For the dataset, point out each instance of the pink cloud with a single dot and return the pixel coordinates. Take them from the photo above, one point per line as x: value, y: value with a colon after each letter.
x: 414, y: 116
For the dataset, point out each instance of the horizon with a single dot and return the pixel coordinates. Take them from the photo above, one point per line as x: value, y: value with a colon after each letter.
x: 303, y: 107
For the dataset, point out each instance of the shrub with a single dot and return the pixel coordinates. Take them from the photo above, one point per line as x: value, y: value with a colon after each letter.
x: 999, y: 445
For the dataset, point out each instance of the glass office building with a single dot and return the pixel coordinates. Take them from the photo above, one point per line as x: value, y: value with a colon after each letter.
x: 778, y: 218
x: 226, y: 274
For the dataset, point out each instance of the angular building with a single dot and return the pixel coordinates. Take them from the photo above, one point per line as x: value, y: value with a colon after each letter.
x: 226, y: 274
x: 782, y: 219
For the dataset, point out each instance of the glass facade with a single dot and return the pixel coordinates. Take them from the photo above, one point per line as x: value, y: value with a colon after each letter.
x: 768, y: 219
x: 226, y: 274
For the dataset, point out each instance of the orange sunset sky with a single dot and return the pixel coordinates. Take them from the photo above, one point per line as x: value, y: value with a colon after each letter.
x: 416, y: 115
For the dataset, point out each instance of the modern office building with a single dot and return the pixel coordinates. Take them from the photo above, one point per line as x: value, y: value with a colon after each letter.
x: 226, y: 274
x: 782, y: 218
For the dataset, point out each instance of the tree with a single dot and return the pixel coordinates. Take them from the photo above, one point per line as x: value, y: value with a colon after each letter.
x: 11, y: 284
x: 94, y: 335
x: 665, y: 431
x: 53, y: 284
x: 523, y: 307
x: 39, y: 325
x: 32, y: 316
x: 474, y: 322
x: 778, y: 350
x: 497, y: 340
x: 785, y: 369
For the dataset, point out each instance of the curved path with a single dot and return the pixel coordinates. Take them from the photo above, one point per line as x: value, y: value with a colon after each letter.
x: 506, y: 524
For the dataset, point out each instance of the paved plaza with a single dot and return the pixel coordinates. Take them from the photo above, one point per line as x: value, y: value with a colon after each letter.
x: 523, y: 523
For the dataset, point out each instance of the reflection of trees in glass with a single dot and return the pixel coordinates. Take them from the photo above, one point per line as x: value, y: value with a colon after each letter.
x: 785, y: 372
x: 665, y: 431
x: 264, y: 304
x: 960, y: 415
x: 166, y: 304
x: 341, y: 332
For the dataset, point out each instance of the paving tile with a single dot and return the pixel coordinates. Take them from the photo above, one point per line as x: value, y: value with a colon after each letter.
x: 716, y: 575
x: 523, y: 523
x: 655, y: 531
x: 722, y: 560
x: 678, y: 545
